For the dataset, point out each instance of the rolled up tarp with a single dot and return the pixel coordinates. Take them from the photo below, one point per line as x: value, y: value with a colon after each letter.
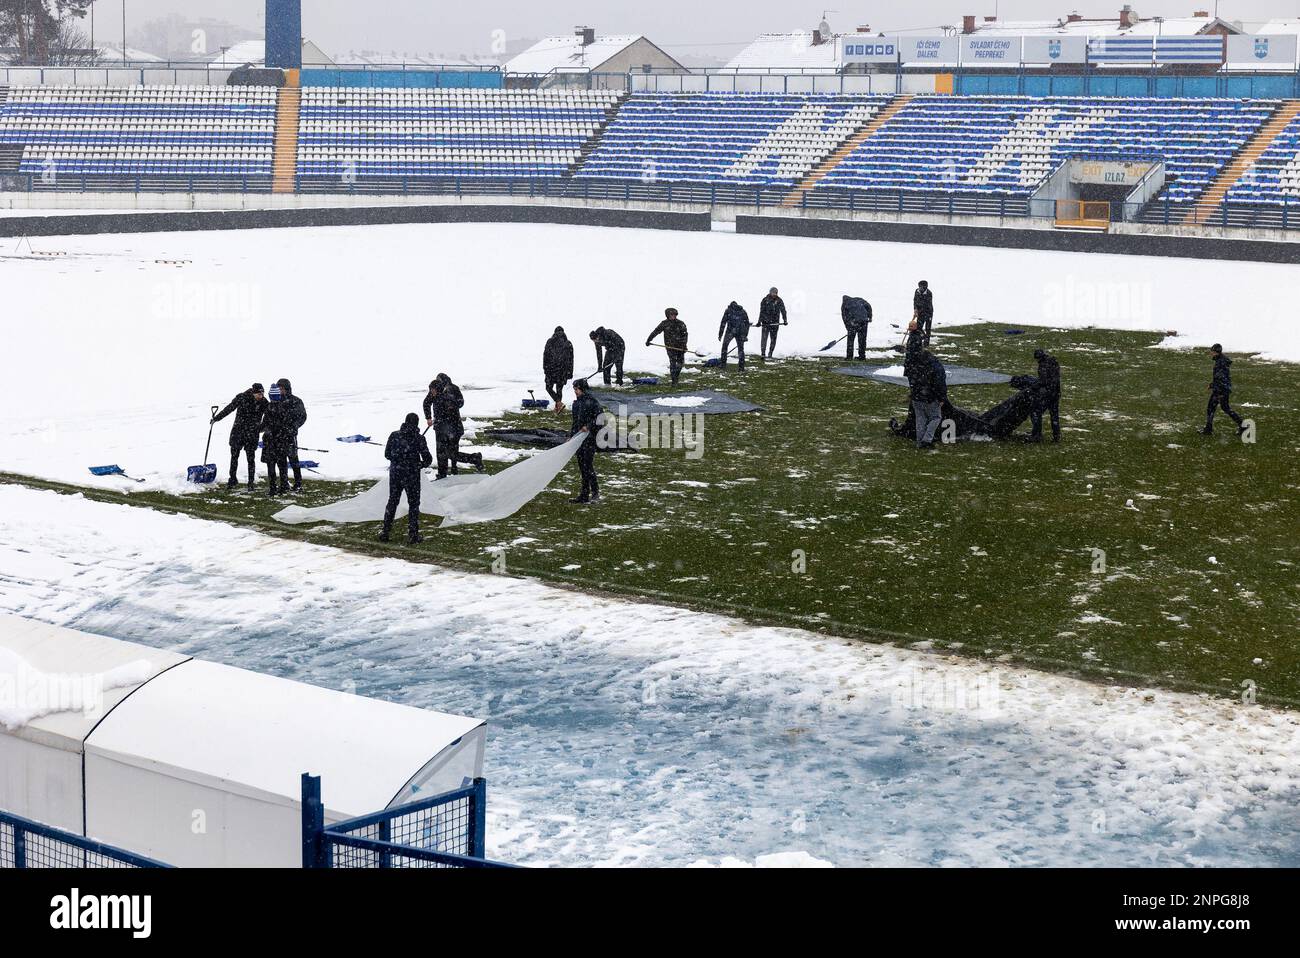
x: 460, y: 499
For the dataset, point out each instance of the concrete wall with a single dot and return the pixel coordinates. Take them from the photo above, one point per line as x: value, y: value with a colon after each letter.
x: 1130, y: 243
x: 75, y: 224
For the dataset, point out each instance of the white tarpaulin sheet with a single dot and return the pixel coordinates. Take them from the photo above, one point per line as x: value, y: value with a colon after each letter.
x: 458, y: 499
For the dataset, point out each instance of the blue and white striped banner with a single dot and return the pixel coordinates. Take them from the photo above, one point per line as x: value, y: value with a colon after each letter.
x: 1189, y: 49
x: 1120, y: 49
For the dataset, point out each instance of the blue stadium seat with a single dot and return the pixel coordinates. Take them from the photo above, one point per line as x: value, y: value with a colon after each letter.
x: 354, y: 134
x: 752, y: 139
x: 146, y: 131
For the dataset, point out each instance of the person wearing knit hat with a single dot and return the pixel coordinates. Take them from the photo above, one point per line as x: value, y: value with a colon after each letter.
x: 675, y: 341
x: 407, y: 453
x: 249, y: 407
x: 923, y: 309
x: 586, y: 414
x: 285, y: 415
x: 771, y: 317
x: 1220, y: 390
x: 610, y: 350
x: 442, y: 408
x: 557, y: 366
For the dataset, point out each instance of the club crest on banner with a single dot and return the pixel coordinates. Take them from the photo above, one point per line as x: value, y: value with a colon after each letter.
x: 1261, y: 48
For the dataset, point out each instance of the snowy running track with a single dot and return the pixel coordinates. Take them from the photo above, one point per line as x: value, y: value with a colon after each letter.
x: 628, y: 734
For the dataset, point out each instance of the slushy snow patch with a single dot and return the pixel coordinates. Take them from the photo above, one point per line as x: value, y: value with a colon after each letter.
x: 775, y: 860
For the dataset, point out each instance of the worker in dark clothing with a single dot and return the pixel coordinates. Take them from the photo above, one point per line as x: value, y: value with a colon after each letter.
x: 610, y: 349
x: 442, y: 408
x: 734, y: 328
x: 1047, y: 396
x: 923, y: 308
x: 856, y: 314
x: 771, y: 317
x: 675, y: 340
x: 557, y: 366
x: 914, y: 345
x: 928, y: 387
x: 407, y: 453
x: 249, y: 407
x: 285, y: 415
x: 1220, y: 391
x: 586, y: 414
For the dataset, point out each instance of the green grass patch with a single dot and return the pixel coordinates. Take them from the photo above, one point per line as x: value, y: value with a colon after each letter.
x: 981, y: 548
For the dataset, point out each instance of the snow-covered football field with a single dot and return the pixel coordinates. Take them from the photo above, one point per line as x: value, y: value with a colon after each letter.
x: 622, y: 733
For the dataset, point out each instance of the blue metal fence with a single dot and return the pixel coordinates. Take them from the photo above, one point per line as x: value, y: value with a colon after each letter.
x: 1247, y: 86
x: 28, y: 844
x: 442, y: 831
x: 1284, y: 215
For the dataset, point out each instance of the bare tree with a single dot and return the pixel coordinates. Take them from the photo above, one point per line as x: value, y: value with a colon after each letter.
x: 33, y: 30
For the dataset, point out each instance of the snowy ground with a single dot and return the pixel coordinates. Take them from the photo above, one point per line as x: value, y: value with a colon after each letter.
x: 116, y: 349
x: 645, y: 735
x: 622, y: 733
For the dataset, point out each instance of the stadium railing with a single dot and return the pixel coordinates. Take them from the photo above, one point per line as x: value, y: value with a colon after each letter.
x: 1160, y: 211
x: 442, y: 831
x: 28, y: 844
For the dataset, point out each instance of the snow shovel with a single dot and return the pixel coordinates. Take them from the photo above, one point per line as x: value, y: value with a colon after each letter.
x: 365, y: 439
x: 208, y: 472
x: 676, y: 349
x: 112, y: 471
x: 261, y: 444
x: 833, y: 343
x: 309, y: 465
x: 534, y: 403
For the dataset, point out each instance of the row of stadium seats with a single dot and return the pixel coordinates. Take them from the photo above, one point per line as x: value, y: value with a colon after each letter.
x: 140, y: 131
x: 990, y: 146
x: 1275, y: 177
x: 1008, y: 145
x: 360, y: 132
x: 752, y: 139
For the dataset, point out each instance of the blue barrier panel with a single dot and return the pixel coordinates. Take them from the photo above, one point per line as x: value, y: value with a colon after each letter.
x: 480, y: 79
x: 1131, y: 86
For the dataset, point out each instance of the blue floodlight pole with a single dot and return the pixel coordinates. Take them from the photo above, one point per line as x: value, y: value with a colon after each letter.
x: 284, y: 34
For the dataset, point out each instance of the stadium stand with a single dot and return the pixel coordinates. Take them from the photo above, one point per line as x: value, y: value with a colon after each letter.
x: 1274, y: 178
x: 352, y: 134
x: 1009, y: 145
x: 1227, y: 162
x: 214, y: 133
x: 741, y: 138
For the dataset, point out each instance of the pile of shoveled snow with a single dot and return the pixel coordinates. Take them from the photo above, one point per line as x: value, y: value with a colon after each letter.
x: 687, y: 401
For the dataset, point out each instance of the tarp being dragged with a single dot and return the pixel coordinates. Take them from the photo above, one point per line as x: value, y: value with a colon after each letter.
x: 998, y: 423
x: 460, y: 499
x: 550, y: 438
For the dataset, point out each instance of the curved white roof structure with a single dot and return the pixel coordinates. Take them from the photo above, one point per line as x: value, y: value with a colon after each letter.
x: 195, y: 763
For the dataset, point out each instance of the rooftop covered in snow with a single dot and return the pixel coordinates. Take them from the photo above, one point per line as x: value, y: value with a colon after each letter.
x: 584, y: 52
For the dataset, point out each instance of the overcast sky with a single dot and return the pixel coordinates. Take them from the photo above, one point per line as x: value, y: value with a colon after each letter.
x: 718, y: 26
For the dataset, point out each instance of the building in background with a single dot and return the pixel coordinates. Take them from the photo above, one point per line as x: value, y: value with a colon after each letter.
x: 561, y: 60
